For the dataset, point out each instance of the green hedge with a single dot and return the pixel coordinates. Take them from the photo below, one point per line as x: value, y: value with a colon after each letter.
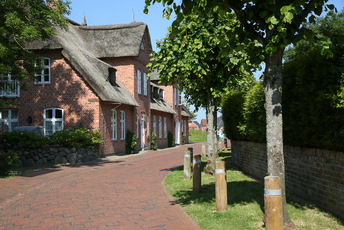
x: 76, y: 137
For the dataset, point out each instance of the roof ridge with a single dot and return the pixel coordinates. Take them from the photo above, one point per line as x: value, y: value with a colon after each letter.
x: 111, y: 27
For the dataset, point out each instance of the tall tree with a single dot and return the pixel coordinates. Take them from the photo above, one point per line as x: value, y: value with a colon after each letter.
x: 23, y: 21
x: 274, y: 25
x: 193, y: 58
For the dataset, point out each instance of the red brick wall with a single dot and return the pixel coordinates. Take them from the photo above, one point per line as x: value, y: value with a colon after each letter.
x: 162, y: 142
x: 111, y: 147
x: 66, y: 91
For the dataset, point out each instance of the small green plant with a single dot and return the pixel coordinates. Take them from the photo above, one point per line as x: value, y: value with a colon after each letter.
x: 77, y: 137
x: 130, y: 142
x: 22, y: 139
x: 183, y: 139
x: 154, y: 144
x: 8, y: 162
x: 170, y: 139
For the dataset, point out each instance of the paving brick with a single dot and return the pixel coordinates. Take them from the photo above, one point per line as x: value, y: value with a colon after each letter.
x: 125, y: 193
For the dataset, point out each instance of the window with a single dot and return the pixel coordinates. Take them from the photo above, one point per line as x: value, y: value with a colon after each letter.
x: 137, y: 126
x: 185, y: 127
x: 147, y: 127
x: 165, y: 127
x: 160, y: 127
x: 44, y: 76
x: 145, y: 84
x: 53, y: 120
x: 142, y: 46
x: 179, y: 98
x: 154, y: 125
x: 113, y: 125
x: 10, y: 88
x: 9, y: 119
x: 122, y: 124
x: 138, y: 81
x: 175, y: 95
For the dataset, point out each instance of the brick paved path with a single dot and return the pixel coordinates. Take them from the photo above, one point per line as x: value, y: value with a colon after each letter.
x: 124, y: 193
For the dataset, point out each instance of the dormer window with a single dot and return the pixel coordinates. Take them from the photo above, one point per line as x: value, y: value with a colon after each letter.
x: 112, y: 76
x: 161, y: 94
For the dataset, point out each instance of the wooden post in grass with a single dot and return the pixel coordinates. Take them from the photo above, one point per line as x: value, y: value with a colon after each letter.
x: 191, y: 157
x: 196, y: 178
x: 187, y: 165
x: 225, y: 144
x: 221, y: 186
x: 203, y: 150
x: 273, y: 203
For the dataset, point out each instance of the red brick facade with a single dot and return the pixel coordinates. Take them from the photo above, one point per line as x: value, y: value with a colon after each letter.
x: 81, y: 105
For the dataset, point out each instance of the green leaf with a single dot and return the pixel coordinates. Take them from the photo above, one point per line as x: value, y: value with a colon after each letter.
x: 289, y: 17
x: 274, y: 20
x: 285, y: 9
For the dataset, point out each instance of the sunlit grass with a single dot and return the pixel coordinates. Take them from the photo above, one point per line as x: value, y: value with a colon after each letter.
x: 197, y: 136
x: 245, y: 203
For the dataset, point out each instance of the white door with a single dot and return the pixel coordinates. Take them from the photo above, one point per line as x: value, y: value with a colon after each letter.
x: 177, y: 131
x: 142, y: 132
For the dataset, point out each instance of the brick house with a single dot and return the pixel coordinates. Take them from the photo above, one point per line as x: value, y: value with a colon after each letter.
x: 194, y: 125
x: 204, y: 125
x: 95, y: 76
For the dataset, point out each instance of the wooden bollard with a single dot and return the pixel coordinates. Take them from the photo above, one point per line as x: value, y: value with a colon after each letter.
x: 196, y: 178
x: 191, y: 157
x: 225, y: 144
x: 273, y: 203
x: 221, y: 186
x: 187, y: 165
x: 203, y: 150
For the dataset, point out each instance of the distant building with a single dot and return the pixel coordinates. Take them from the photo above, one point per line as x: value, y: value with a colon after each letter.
x: 204, y: 125
x: 194, y: 125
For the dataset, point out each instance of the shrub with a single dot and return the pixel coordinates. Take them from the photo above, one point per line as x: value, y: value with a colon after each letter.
x: 22, y: 139
x: 77, y: 137
x: 154, y: 145
x: 8, y: 162
x: 183, y: 139
x: 130, y: 142
x: 170, y: 139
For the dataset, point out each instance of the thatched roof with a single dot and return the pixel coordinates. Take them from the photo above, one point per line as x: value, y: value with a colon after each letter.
x: 186, y: 112
x: 161, y: 105
x: 116, y: 40
x: 78, y: 50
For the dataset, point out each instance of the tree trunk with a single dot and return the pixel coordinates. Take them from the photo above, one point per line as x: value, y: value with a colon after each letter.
x: 211, y: 132
x: 274, y: 123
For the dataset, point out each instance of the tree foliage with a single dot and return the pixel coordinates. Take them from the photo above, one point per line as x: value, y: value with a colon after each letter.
x: 23, y: 21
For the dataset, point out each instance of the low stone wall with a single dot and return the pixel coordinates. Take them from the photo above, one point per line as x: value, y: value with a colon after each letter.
x: 55, y: 155
x: 313, y: 174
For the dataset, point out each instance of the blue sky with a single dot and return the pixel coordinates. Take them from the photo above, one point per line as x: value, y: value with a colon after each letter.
x: 106, y: 12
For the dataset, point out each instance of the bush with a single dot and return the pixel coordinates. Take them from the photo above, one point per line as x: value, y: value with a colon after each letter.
x: 154, y: 145
x: 77, y: 137
x: 170, y: 139
x: 130, y: 142
x: 183, y: 139
x: 22, y: 139
x: 8, y: 162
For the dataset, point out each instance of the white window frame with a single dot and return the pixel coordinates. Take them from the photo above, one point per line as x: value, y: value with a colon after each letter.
x: 160, y: 127
x: 9, y: 120
x: 165, y: 127
x: 145, y: 84
x: 154, y: 125
x: 137, y: 127
x: 185, y: 127
x: 11, y: 87
x: 42, y: 75
x: 122, y: 124
x: 138, y: 81
x: 147, y: 134
x: 113, y: 125
x: 53, y: 119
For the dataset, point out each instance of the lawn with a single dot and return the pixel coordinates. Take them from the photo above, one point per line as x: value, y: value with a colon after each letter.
x: 245, y: 203
x: 197, y: 136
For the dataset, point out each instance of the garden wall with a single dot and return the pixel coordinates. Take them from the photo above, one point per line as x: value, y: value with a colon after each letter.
x: 55, y: 155
x: 312, y: 174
